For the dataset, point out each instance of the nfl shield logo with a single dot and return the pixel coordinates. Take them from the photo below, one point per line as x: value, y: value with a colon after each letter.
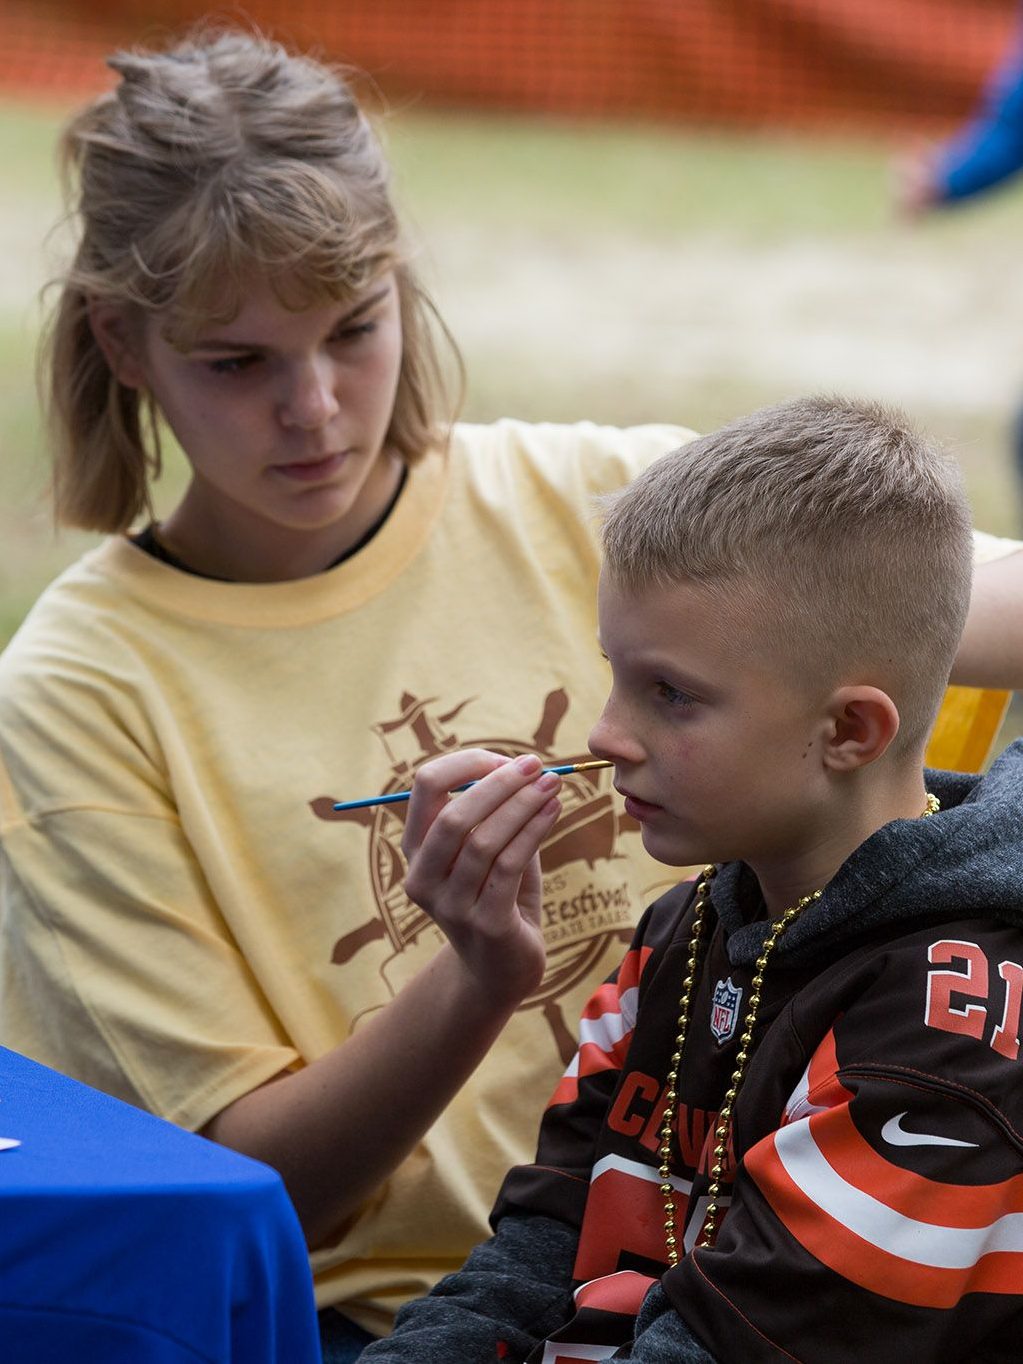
x: 724, y: 1011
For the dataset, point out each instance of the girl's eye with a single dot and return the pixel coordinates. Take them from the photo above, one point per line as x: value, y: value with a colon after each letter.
x: 233, y: 364
x: 353, y: 333
x: 680, y: 699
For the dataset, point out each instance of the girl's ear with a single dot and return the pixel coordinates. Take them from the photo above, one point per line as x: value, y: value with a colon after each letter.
x: 862, y: 723
x: 113, y: 332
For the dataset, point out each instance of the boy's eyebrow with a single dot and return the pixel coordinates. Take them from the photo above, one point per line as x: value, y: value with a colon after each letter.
x: 223, y: 343
x: 678, y: 676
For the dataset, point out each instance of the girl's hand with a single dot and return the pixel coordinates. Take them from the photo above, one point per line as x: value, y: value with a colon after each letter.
x: 474, y: 863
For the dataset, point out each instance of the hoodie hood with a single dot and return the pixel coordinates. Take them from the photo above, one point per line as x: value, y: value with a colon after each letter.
x: 963, y: 862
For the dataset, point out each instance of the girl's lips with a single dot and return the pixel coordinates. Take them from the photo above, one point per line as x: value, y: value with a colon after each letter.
x: 313, y: 470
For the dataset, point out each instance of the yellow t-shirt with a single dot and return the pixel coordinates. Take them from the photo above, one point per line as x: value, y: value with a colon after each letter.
x: 183, y: 913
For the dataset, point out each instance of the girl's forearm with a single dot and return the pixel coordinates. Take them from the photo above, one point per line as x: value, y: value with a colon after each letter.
x: 337, y: 1128
x: 991, y: 650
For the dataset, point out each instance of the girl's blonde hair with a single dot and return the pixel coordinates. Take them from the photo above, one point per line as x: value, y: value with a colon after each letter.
x: 224, y: 155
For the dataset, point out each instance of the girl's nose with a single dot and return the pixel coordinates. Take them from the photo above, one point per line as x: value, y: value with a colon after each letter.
x: 310, y: 401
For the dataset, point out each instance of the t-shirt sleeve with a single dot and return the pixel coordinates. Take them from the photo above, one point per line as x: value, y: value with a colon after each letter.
x: 987, y: 548
x: 116, y: 965
x: 611, y: 458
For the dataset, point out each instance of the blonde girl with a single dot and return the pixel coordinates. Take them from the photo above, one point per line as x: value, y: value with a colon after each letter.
x: 351, y: 584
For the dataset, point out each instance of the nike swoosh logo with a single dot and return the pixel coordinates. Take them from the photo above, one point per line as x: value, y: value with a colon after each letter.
x: 895, y: 1135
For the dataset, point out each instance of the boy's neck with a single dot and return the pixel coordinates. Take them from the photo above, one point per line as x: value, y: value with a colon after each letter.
x: 858, y: 810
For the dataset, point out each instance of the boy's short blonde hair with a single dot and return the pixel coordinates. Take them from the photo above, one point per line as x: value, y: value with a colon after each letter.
x: 848, y: 533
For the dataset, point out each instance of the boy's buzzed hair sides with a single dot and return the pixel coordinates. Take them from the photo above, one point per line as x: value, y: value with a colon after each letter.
x: 847, y: 530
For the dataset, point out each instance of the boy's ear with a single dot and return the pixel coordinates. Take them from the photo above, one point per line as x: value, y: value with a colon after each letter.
x: 115, y: 335
x: 863, y: 722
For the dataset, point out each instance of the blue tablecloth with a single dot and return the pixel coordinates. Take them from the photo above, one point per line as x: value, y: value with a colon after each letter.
x: 125, y: 1240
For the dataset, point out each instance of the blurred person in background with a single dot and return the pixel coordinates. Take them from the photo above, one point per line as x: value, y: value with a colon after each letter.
x: 986, y: 152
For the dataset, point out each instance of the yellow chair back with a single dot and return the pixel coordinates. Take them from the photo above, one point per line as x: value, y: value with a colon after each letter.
x: 966, y: 729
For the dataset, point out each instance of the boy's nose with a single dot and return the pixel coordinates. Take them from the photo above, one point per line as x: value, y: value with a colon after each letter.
x: 310, y: 401
x: 609, y: 739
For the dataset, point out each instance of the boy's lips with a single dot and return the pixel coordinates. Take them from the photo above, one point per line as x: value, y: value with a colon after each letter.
x: 638, y: 809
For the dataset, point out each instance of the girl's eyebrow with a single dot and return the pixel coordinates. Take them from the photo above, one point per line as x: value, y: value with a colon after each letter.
x: 216, y: 343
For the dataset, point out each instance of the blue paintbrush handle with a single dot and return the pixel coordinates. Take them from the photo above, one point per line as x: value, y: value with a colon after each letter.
x: 397, y: 796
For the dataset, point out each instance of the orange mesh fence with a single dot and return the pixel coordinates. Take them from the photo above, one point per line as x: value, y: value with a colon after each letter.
x: 877, y: 64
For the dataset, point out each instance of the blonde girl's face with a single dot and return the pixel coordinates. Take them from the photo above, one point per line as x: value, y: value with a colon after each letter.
x: 283, y: 417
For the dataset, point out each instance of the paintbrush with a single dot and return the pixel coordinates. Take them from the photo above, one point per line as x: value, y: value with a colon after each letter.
x: 404, y: 795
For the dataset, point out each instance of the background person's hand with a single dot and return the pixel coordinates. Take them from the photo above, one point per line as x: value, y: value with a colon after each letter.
x: 914, y: 180
x: 474, y: 862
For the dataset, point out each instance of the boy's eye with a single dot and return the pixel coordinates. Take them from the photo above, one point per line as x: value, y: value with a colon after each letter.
x: 674, y: 697
x: 233, y: 364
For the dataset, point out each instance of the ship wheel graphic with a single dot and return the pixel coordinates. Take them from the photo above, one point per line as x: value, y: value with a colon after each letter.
x: 587, y: 832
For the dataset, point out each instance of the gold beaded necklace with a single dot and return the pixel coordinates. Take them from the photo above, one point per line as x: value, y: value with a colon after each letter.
x: 721, y: 1132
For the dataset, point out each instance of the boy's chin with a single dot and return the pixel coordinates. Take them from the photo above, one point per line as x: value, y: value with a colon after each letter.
x: 673, y: 851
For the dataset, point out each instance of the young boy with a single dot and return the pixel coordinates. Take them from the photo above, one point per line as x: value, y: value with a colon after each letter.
x: 793, y: 1126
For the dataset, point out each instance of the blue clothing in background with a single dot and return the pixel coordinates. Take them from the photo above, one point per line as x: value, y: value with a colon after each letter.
x: 990, y: 148
x: 987, y: 151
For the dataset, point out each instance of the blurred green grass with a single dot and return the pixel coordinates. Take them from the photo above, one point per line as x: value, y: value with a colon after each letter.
x: 534, y: 234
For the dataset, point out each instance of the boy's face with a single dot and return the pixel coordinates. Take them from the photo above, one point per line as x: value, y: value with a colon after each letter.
x: 716, y: 745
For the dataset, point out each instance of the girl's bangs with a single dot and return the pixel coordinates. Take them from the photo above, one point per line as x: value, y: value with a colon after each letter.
x: 309, y: 243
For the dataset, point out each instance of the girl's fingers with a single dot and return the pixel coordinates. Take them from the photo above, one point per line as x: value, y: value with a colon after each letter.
x: 433, y: 784
x: 498, y: 896
x: 470, y: 837
x: 433, y: 807
x: 497, y: 852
